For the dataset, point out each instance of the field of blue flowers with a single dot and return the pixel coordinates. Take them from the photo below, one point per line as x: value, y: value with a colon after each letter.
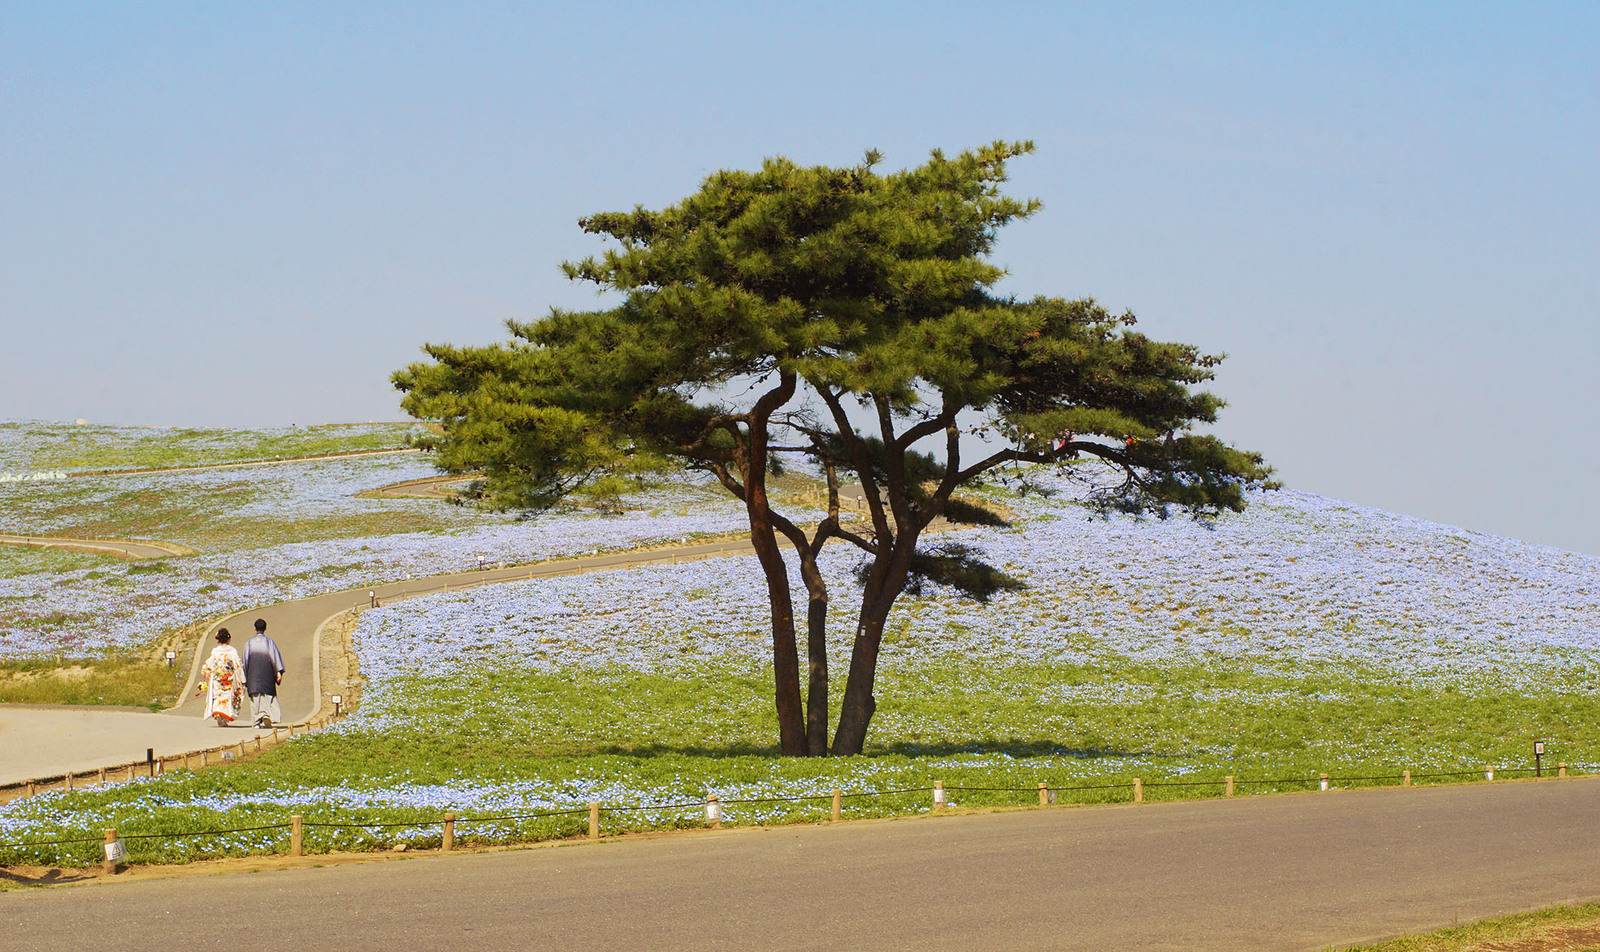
x: 1305, y: 635
x: 270, y: 533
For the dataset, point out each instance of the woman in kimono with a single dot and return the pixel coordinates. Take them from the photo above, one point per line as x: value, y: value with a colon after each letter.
x: 226, y: 673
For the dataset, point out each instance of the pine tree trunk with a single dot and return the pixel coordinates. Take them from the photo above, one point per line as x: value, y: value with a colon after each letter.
x: 884, y: 585
x: 817, y: 655
x: 858, y: 705
x: 785, y: 651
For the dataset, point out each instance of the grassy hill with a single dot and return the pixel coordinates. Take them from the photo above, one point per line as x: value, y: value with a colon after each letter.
x: 1304, y: 636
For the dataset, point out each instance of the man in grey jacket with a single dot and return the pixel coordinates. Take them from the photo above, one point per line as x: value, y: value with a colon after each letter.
x: 263, y: 672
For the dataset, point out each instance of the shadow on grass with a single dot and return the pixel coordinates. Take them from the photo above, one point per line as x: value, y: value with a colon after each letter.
x: 1012, y: 747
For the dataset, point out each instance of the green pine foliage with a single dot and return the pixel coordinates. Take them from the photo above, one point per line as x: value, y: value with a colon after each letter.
x: 846, y: 318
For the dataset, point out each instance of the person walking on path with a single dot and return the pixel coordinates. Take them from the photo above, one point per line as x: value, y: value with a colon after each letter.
x: 226, y: 675
x: 263, y: 672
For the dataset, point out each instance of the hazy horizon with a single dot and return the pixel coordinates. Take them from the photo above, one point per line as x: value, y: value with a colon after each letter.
x: 1387, y: 215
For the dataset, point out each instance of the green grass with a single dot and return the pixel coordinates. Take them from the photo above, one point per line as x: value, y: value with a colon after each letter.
x: 620, y: 737
x: 200, y: 517
x: 118, y: 680
x: 95, y: 448
x: 1554, y: 929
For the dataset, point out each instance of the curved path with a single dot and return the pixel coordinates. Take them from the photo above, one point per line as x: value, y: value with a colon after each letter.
x: 49, y: 741
x: 428, y: 487
x: 1291, y: 872
x: 121, y: 548
x: 42, y: 742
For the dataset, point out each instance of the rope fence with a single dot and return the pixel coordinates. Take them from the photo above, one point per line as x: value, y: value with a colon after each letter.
x: 713, y: 807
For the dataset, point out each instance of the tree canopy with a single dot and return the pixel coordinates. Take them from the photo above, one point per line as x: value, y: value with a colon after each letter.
x: 847, y: 318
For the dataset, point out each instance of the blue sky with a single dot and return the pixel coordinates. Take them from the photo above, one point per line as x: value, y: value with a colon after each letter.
x: 1384, y: 213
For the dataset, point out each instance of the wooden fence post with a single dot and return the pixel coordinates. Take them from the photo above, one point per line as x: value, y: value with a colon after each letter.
x: 296, y: 842
x: 1227, y: 789
x: 449, y: 833
x: 205, y: 758
x: 1561, y: 770
x: 112, y: 852
x: 30, y: 789
x: 1044, y: 794
x: 1405, y: 778
x: 69, y: 780
x: 1138, y: 790
x: 838, y: 806
x: 102, y: 776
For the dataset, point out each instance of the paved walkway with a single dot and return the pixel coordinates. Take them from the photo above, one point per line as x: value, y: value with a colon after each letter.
x: 1290, y: 872
x: 43, y: 741
x: 121, y: 548
x: 40, y: 741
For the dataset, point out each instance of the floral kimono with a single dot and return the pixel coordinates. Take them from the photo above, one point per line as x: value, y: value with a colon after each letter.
x: 226, y: 672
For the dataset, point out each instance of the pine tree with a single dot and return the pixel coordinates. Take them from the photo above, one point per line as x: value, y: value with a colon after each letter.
x: 844, y: 317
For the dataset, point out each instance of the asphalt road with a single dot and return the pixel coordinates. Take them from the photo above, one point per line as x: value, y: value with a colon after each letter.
x: 1288, y: 872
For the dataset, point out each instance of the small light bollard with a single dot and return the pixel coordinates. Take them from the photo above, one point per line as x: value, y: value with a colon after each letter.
x: 939, y: 801
x: 1322, y: 779
x: 1538, y: 755
x: 171, y: 657
x: 116, y: 856
x: 713, y: 813
x: 1488, y: 773
x: 338, y: 702
x: 372, y: 599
